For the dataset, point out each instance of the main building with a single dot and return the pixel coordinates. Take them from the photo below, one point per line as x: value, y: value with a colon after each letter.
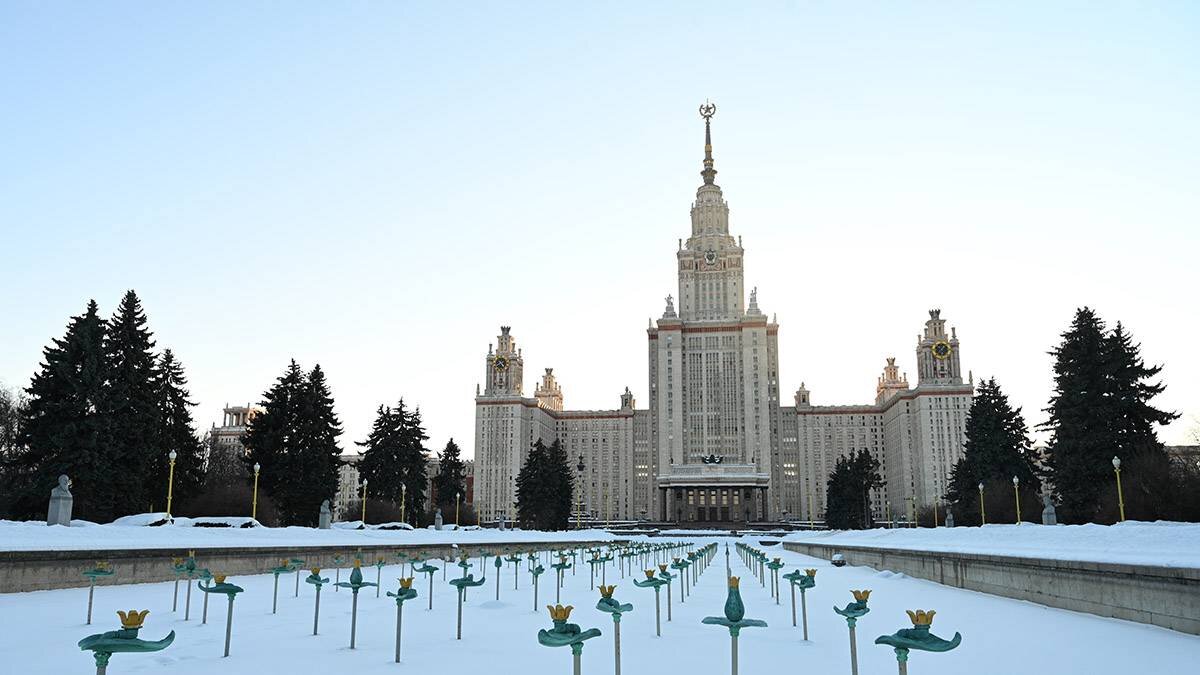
x: 716, y: 444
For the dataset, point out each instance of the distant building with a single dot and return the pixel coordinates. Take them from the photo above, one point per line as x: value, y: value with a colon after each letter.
x: 1184, y: 453
x: 350, y: 485
x: 226, y: 439
x: 716, y: 443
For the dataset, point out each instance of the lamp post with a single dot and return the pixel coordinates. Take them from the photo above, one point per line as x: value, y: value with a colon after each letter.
x: 457, y: 499
x: 579, y: 511
x: 403, y: 500
x: 171, y: 482
x: 254, y: 503
x: 1120, y: 495
x: 982, y: 513
x: 1017, y: 497
x: 364, y: 502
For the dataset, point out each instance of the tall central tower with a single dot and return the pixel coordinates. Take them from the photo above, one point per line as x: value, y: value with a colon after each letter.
x: 714, y: 384
x: 710, y: 263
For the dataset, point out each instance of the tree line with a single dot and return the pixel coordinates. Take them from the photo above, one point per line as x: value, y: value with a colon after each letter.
x: 106, y: 408
x: 1100, y: 409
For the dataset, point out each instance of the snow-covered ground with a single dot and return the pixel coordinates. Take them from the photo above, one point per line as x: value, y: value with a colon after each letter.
x: 132, y: 534
x: 1139, y: 543
x: 1000, y: 636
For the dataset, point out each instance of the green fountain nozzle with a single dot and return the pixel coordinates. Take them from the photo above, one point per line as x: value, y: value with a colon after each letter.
x: 735, y: 612
x: 124, y: 640
x: 467, y: 581
x: 857, y: 608
x: 564, y: 634
x: 405, y: 592
x: 610, y: 604
x: 103, y: 568
x: 356, y: 579
x: 315, y: 578
x: 221, y: 586
x: 918, y: 637
x: 425, y: 568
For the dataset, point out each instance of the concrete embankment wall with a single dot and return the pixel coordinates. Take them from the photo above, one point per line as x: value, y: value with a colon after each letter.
x: 1162, y: 596
x: 45, y: 570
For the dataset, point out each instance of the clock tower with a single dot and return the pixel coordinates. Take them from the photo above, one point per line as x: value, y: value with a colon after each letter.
x: 504, y: 366
x: 937, y: 353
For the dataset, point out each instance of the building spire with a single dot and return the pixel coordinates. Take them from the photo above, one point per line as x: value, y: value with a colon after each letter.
x: 707, y: 111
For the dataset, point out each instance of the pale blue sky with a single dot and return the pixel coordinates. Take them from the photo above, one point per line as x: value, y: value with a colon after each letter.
x: 377, y: 186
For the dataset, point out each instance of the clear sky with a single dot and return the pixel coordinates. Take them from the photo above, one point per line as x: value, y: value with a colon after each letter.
x: 378, y: 186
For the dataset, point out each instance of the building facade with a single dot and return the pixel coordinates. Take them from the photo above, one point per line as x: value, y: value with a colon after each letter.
x: 716, y: 444
x: 226, y: 440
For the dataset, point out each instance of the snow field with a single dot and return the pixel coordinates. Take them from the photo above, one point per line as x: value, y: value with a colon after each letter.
x: 1000, y: 636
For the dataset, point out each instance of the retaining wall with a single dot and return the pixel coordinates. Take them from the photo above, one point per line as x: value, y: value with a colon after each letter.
x: 1162, y: 596
x: 45, y: 570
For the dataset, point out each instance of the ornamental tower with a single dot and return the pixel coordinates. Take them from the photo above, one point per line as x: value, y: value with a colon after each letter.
x: 504, y: 366
x: 937, y: 353
x: 710, y: 262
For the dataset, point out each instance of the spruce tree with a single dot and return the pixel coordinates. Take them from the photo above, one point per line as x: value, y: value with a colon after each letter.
x: 533, y: 489
x: 271, y: 436
x: 451, y: 478
x: 1100, y: 408
x: 395, y: 456
x: 317, y: 455
x: 63, y: 430
x: 848, y: 491
x: 559, y: 495
x: 176, y: 431
x: 130, y: 410
x: 997, y: 448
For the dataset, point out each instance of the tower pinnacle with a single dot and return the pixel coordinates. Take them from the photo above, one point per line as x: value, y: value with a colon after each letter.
x: 707, y: 111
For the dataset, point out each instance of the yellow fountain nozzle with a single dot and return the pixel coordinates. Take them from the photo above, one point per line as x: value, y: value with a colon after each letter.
x: 219, y: 578
x: 921, y: 617
x: 734, y: 581
x: 357, y: 563
x: 811, y: 573
x: 133, y: 619
x: 191, y: 554
x: 316, y: 571
x: 406, y: 582
x: 284, y: 562
x: 662, y: 568
x: 177, y: 561
x: 607, y: 591
x: 676, y: 560
x: 861, y: 596
x: 560, y: 613
x: 102, y: 564
x: 649, y: 574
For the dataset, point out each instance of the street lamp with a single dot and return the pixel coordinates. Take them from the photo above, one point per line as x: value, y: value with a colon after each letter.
x: 254, y: 503
x: 982, y: 513
x: 403, y: 500
x: 1120, y: 495
x: 457, y: 498
x: 170, y: 482
x: 811, y: 514
x: 1017, y: 497
x: 579, y: 511
x: 364, y: 503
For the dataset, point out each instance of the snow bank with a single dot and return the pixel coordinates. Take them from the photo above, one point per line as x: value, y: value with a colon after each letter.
x: 1162, y: 543
x: 132, y: 533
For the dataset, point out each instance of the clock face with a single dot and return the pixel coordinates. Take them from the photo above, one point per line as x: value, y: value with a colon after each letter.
x: 500, y: 363
x: 941, y: 350
x: 710, y: 256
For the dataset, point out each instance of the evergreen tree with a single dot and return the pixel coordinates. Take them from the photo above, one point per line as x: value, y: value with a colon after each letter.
x: 12, y: 407
x: 271, y: 438
x: 545, y: 487
x: 530, y: 487
x: 451, y: 478
x: 997, y: 448
x: 63, y: 430
x: 176, y: 431
x: 130, y: 409
x: 848, y: 491
x: 1100, y: 408
x: 395, y: 456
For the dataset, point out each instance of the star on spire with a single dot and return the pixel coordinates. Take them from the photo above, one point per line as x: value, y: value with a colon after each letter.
x: 707, y: 111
